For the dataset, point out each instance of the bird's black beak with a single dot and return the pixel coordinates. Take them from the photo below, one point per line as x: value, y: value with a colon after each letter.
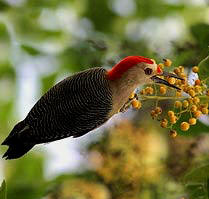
x: 156, y: 79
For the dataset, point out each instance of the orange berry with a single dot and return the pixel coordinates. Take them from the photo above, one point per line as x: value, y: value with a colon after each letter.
x: 149, y: 90
x: 152, y: 113
x: 181, y: 68
x: 192, y: 121
x: 171, y: 80
x: 198, y: 89
x: 204, y: 111
x: 132, y: 95
x: 163, y: 90
x: 178, y: 94
x: 204, y: 105
x: 171, y: 114
x: 178, y: 104
x: 167, y: 62
x: 197, y: 114
x: 196, y: 100
x: 173, y: 133
x: 164, y: 123
x: 185, y: 126
x: 192, y: 93
x: 136, y: 104
x: 185, y: 103
x: 161, y: 65
x: 197, y: 82
x: 193, y: 108
x: 142, y: 92
x: 158, y: 110
x: 195, y: 69
x: 173, y: 119
x: 190, y: 100
x: 176, y: 71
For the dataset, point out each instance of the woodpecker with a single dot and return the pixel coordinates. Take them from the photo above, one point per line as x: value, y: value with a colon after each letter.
x: 81, y: 103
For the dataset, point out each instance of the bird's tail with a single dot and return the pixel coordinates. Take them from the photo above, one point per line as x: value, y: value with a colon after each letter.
x: 17, y: 142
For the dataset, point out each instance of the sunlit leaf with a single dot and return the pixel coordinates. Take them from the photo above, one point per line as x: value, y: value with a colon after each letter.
x: 204, y: 70
x: 3, y: 190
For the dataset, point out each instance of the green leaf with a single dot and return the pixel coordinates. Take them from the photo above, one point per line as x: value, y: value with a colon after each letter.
x: 204, y: 70
x: 198, y: 175
x: 3, y: 190
x: 196, y: 182
x: 48, y: 82
x: 30, y: 50
x: 196, y: 191
x: 201, y: 34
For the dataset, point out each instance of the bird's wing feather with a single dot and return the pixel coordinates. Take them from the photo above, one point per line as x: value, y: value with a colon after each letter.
x: 73, y: 107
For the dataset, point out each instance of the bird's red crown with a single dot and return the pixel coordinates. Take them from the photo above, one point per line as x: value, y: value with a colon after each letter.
x: 125, y: 64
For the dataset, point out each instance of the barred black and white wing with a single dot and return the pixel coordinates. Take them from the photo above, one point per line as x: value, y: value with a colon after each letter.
x: 73, y: 107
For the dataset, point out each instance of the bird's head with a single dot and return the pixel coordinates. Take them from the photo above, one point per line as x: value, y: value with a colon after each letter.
x: 141, y: 70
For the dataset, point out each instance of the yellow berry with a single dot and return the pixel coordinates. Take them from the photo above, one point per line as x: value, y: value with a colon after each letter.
x: 158, y: 110
x: 136, y: 104
x: 197, y: 82
x: 178, y: 104
x: 192, y: 93
x: 196, y: 100
x: 197, y: 114
x: 163, y: 90
x: 161, y: 65
x: 195, y: 69
x: 178, y: 94
x: 181, y: 68
x: 185, y: 126
x: 142, y: 92
x: 173, y: 119
x: 171, y: 114
x: 164, y: 123
x: 198, y: 89
x: 192, y: 121
x: 173, y: 133
x: 204, y: 111
x: 167, y: 62
x: 207, y: 92
x: 193, y: 108
x: 171, y: 80
x: 185, y: 103
x: 149, y: 90
x: 176, y: 71
x: 132, y: 95
x: 190, y: 100
x: 152, y: 113
x: 204, y: 105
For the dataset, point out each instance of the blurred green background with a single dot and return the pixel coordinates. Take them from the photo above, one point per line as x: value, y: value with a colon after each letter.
x: 43, y: 41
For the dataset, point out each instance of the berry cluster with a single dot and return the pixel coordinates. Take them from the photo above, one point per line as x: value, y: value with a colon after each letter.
x: 192, y: 99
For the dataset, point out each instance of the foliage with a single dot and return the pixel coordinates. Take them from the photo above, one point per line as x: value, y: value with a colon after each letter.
x: 3, y: 191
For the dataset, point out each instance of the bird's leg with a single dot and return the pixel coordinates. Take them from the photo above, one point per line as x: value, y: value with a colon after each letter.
x: 127, y: 105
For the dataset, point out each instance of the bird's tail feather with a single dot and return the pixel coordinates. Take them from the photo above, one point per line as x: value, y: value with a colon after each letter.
x: 18, y: 146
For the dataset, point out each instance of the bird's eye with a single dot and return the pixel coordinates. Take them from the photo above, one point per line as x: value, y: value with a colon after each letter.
x: 148, y: 71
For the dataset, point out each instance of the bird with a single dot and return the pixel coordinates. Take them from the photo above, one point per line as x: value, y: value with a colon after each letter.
x: 81, y: 103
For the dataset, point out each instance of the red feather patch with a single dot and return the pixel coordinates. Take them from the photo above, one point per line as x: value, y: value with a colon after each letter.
x: 125, y: 64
